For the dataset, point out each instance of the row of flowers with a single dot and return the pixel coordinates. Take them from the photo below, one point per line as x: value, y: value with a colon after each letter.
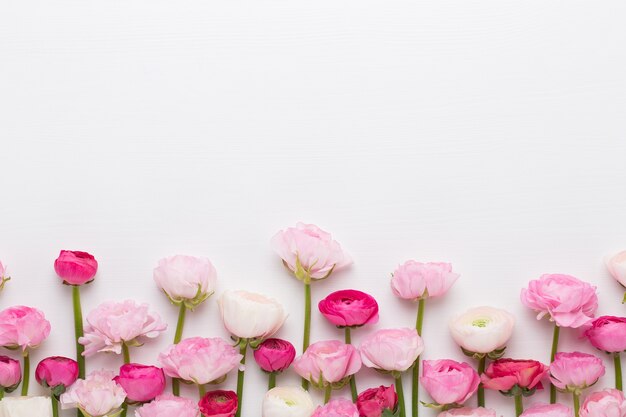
x: 252, y: 319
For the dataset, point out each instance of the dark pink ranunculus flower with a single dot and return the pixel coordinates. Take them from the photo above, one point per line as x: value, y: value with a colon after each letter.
x: 349, y: 308
x: 504, y: 374
x: 75, y: 267
x: 219, y: 404
x: 608, y: 333
x: 372, y: 402
x: 142, y: 383
x: 56, y: 370
x: 274, y: 355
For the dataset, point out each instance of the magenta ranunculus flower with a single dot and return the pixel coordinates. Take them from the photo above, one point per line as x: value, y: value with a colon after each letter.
x: 10, y: 373
x: 219, y: 403
x: 548, y: 410
x: 22, y: 327
x: 112, y: 324
x: 566, y: 300
x: 391, y: 349
x: 328, y: 362
x: 505, y: 374
x: 98, y: 394
x: 337, y: 408
x: 574, y: 371
x: 349, y: 308
x: 169, y: 406
x: 374, y: 401
x: 607, y: 403
x: 199, y: 360
x: 274, y: 355
x: 142, y: 383
x: 416, y: 280
x: 449, y: 382
x: 608, y: 333
x: 56, y: 371
x: 75, y: 267
x: 468, y: 412
x: 186, y: 279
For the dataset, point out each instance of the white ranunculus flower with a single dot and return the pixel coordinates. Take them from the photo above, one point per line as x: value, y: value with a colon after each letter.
x: 249, y: 315
x: 482, y: 329
x: 25, y: 407
x: 287, y: 402
x: 616, y: 265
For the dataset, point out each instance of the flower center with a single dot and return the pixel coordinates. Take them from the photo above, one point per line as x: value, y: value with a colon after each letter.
x: 480, y: 322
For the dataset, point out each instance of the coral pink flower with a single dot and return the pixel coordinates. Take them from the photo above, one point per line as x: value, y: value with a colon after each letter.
x: 607, y: 403
x: 391, y: 349
x: 568, y: 301
x: 337, y: 408
x: 449, y: 382
x: 372, y: 402
x: 98, y: 394
x: 608, y: 333
x: 199, y: 360
x: 169, y: 406
x: 573, y: 371
x: 548, y: 410
x: 274, y: 355
x: 469, y: 412
x: 328, y: 362
x: 142, y: 383
x: 75, y: 267
x: 186, y: 279
x: 10, y: 373
x: 56, y: 370
x: 112, y: 324
x: 218, y: 404
x: 416, y: 280
x: 349, y: 308
x: 504, y: 374
x: 23, y: 327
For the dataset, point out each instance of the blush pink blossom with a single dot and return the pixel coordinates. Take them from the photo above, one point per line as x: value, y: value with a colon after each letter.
x: 75, y: 267
x: 186, y: 279
x: 169, y: 406
x: 349, y: 308
x: 142, y: 383
x: 328, y: 362
x: 391, y: 349
x: 504, y: 374
x: 608, y: 333
x: 56, y: 370
x: 468, y: 412
x: 200, y: 360
x: 274, y: 355
x: 548, y: 410
x: 416, y: 280
x: 10, y: 373
x: 98, y: 394
x: 309, y: 252
x: 607, y: 403
x: 112, y: 324
x: 616, y: 265
x: 566, y: 300
x: 573, y: 371
x: 337, y: 408
x: 449, y: 382
x: 23, y: 327
x: 249, y: 315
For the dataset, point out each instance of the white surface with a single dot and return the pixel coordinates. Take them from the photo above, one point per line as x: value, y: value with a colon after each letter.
x: 487, y: 133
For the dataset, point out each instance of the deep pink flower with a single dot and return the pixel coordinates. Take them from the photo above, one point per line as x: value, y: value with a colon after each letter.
x: 349, y: 308
x: 548, y: 410
x: 573, y: 371
x: 607, y: 403
x: 142, y: 383
x: 328, y: 362
x: 448, y: 381
x: 504, y: 374
x: 218, y: 404
x: 416, y: 280
x: 274, y: 355
x: 23, y: 327
x: 372, y: 402
x: 337, y: 408
x: 168, y: 405
x: 10, y: 373
x: 56, y: 370
x: 75, y: 267
x: 608, y: 333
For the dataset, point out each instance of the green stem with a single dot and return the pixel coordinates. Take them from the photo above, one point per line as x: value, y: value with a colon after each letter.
x: 353, y: 389
x: 327, y: 393
x: 555, y: 347
x: 55, y: 406
x: 78, y: 330
x: 400, y: 392
x: 307, y: 325
x: 519, y: 406
x: 272, y: 381
x: 243, y: 347
x: 177, y: 338
x: 1, y: 393
x: 26, y: 376
x: 419, y: 322
x: 576, y: 404
x: 481, y: 390
x: 124, y: 409
x: 201, y: 390
x: 126, y: 353
x: 617, y: 361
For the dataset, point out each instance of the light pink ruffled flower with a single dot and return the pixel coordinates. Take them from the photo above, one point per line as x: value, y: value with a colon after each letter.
x: 573, y: 371
x: 548, y: 410
x: 608, y: 333
x: 469, y: 412
x: 416, y: 280
x: 568, y: 301
x: 616, y: 265
x: 186, y: 279
x: 200, y: 360
x: 98, y: 394
x: 309, y: 252
x: 448, y: 381
x: 337, y: 408
x: 391, y: 349
x: 328, y: 362
x: 607, y: 403
x: 23, y: 327
x: 169, y: 406
x: 112, y: 324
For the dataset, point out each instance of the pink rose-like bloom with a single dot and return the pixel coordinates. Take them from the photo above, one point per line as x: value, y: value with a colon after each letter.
x: 112, y: 324
x: 416, y: 280
x: 56, y: 370
x: 98, y: 394
x: 169, y: 406
x: 142, y: 383
x: 23, y: 327
x: 607, y: 403
x: 469, y: 412
x: 186, y: 279
x: 391, y: 349
x: 327, y: 362
x: 219, y: 404
x: 349, y: 308
x: 572, y: 371
x: 568, y: 301
x: 75, y: 267
x: 274, y: 355
x: 309, y: 252
x: 608, y: 333
x: 548, y: 410
x: 504, y: 374
x: 337, y: 408
x: 448, y: 381
x: 10, y: 373
x: 199, y: 360
x: 372, y: 402
x: 616, y: 265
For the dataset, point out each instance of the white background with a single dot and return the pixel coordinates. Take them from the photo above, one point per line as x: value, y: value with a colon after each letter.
x: 490, y: 134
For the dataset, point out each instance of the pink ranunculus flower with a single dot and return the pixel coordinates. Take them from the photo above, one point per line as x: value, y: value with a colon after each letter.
x: 608, y: 333
x: 468, y: 412
x: 200, y: 360
x: 248, y: 315
x: 616, y: 265
x: 374, y: 401
x: 573, y: 371
x: 391, y: 349
x: 349, y: 308
x: 10, y: 373
x: 449, y: 382
x: 219, y: 403
x: 186, y: 279
x: 169, y: 406
x: 75, y: 267
x: 416, y: 280
x: 23, y: 327
x: 548, y: 410
x: 309, y: 252
x: 274, y: 355
x: 568, y: 301
x: 4, y: 276
x: 607, y: 403
x: 337, y: 408
x: 98, y: 394
x: 328, y: 362
x: 56, y: 370
x: 504, y: 374
x: 142, y: 383
x: 112, y: 324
